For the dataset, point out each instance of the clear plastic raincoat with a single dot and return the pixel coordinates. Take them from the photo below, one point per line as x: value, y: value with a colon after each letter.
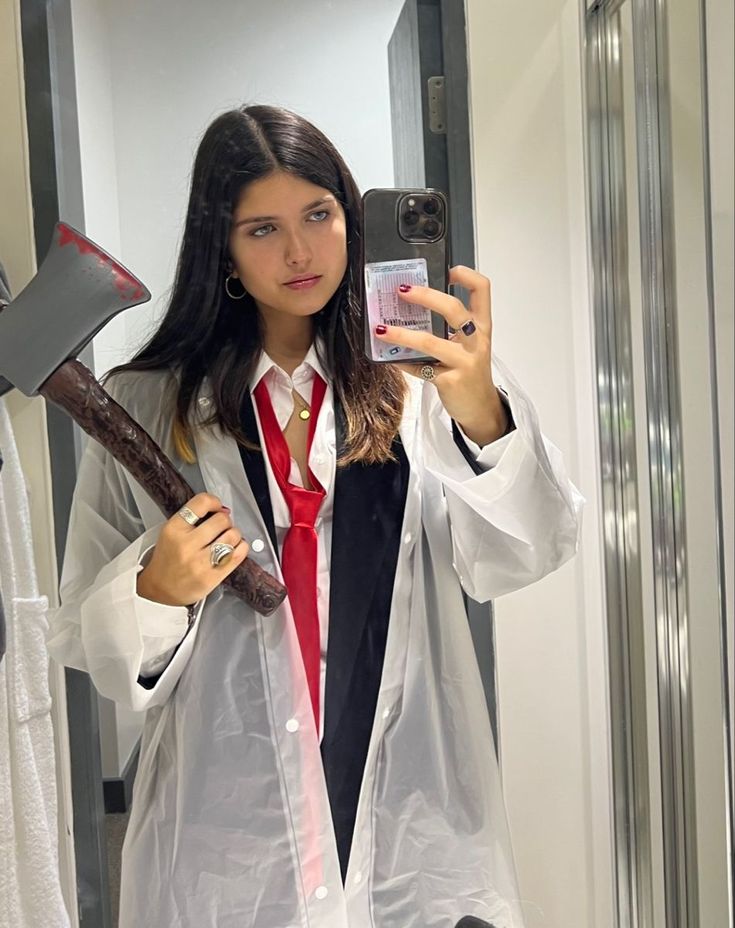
x: 230, y: 812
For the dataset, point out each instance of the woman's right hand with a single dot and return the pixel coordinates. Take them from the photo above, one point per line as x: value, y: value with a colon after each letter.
x: 179, y: 571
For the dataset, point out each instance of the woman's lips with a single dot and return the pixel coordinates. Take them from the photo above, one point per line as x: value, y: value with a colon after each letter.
x: 305, y: 284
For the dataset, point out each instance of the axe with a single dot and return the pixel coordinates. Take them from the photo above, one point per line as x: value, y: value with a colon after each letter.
x: 77, y: 290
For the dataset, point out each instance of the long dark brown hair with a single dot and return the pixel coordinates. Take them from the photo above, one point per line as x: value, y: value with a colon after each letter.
x: 205, y: 333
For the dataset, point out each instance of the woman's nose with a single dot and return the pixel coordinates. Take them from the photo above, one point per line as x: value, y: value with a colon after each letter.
x: 297, y: 251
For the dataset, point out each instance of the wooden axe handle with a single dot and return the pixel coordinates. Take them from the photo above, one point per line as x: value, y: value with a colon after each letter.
x: 74, y: 388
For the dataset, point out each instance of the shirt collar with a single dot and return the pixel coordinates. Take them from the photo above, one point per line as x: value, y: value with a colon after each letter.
x: 311, y: 364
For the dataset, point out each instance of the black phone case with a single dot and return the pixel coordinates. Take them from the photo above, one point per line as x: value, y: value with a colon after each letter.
x: 382, y: 242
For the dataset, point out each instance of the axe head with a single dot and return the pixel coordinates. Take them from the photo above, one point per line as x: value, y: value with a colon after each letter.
x: 77, y: 290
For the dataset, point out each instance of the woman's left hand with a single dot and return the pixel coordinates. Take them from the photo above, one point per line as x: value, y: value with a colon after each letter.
x: 463, y: 377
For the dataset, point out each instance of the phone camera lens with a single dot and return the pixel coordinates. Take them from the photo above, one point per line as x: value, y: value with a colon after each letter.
x: 431, y: 228
x: 431, y: 206
x: 411, y: 217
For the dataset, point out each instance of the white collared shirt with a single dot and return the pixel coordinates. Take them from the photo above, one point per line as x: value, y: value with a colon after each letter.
x: 322, y: 462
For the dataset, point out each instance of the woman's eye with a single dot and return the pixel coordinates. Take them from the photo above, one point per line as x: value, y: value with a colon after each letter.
x: 319, y: 216
x: 261, y: 231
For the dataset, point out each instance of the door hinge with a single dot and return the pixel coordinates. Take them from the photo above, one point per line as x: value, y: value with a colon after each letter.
x: 437, y: 105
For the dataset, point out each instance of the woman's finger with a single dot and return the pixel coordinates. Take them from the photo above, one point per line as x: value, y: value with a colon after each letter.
x: 228, y: 561
x: 197, y: 508
x: 231, y: 537
x: 211, y: 528
x: 480, y: 291
x: 452, y: 309
x: 415, y: 370
x: 448, y: 352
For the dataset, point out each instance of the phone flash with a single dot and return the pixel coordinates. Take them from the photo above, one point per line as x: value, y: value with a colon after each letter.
x: 412, y: 202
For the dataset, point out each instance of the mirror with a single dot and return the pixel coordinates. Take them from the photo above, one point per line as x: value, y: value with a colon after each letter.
x: 604, y: 681
x: 147, y: 84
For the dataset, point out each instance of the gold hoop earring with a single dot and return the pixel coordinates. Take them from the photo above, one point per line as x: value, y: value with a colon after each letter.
x: 227, y: 289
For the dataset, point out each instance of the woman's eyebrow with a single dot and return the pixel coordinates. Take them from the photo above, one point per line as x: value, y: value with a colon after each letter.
x: 249, y: 219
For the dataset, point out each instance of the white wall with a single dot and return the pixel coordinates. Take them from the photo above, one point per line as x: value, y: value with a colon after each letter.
x: 527, y: 113
x: 721, y: 53
x: 150, y: 78
x: 98, y: 155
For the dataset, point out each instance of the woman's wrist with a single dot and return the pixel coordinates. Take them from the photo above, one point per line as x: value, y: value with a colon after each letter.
x: 147, y: 589
x: 492, y: 424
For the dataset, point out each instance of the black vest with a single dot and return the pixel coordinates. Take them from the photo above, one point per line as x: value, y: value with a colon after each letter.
x: 369, y: 502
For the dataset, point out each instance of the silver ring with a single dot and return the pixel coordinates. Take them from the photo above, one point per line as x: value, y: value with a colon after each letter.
x: 190, y: 517
x: 468, y: 328
x: 219, y: 553
x: 428, y: 372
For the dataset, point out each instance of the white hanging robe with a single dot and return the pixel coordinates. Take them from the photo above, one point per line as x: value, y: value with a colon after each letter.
x: 30, y: 889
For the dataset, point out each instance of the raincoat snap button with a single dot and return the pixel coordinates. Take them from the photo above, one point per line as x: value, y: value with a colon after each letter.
x: 321, y: 892
x: 407, y: 538
x: 257, y: 545
x: 292, y: 725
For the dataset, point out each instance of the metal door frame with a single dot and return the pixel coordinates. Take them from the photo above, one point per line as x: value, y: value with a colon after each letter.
x: 625, y: 615
x: 616, y: 423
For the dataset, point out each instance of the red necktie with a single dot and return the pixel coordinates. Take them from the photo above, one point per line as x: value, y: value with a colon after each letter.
x: 299, y: 555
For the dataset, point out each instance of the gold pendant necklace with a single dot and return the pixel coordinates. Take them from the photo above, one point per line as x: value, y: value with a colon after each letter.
x: 304, y: 412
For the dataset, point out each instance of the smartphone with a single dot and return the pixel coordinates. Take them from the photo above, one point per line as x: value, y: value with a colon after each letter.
x: 405, y: 241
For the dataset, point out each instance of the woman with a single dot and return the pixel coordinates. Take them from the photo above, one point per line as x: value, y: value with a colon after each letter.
x: 331, y: 765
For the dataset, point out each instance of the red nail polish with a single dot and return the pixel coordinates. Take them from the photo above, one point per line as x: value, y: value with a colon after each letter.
x: 404, y: 288
x: 381, y: 329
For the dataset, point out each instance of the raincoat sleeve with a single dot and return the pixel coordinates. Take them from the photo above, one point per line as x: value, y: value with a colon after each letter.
x: 519, y: 517
x: 102, y: 625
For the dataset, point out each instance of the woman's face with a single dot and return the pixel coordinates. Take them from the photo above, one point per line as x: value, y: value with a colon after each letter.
x: 288, y: 244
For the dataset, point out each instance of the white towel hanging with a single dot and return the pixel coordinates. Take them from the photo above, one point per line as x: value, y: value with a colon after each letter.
x: 30, y: 889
